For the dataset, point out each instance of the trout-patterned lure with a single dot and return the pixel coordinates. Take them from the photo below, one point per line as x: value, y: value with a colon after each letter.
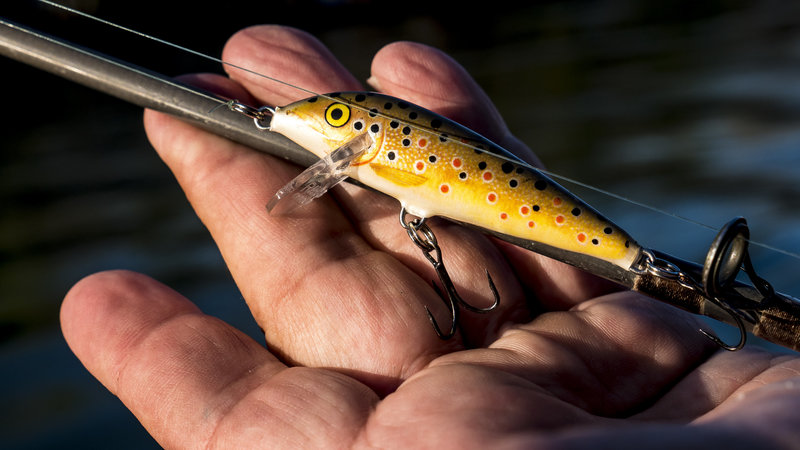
x: 436, y: 167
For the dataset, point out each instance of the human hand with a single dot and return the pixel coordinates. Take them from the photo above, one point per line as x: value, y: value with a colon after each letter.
x: 340, y: 291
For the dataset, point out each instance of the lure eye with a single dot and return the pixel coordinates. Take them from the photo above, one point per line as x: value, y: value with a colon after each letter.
x: 337, y: 114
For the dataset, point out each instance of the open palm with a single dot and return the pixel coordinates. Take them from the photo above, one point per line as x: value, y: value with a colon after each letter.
x: 340, y: 290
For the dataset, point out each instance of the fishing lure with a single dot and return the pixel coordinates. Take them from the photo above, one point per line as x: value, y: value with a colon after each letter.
x: 436, y: 167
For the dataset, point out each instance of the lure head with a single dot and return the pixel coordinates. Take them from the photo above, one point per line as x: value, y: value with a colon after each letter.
x: 323, y: 123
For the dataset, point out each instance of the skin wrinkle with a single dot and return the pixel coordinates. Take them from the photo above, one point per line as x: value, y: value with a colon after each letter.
x: 127, y: 377
x: 214, y: 441
x: 648, y: 397
x: 122, y: 364
x: 292, y: 384
x: 529, y: 384
x: 770, y: 400
x: 335, y: 261
x: 190, y: 150
x: 720, y: 380
x: 396, y: 307
x: 570, y: 396
x: 336, y: 404
x: 549, y: 340
x: 294, y: 288
x: 588, y: 367
x: 524, y: 408
x: 345, y: 244
x: 223, y: 407
x: 137, y: 340
x: 749, y: 383
x: 777, y: 363
x: 315, y: 226
x: 252, y: 193
x: 281, y: 413
x: 394, y: 241
x: 616, y: 397
x: 710, y: 383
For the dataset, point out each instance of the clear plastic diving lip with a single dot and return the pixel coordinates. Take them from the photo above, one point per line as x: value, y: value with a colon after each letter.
x: 318, y: 178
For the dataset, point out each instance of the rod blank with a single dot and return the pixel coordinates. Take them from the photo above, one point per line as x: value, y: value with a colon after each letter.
x: 142, y: 87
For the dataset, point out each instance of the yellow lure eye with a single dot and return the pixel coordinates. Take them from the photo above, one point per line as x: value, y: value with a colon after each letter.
x: 337, y: 114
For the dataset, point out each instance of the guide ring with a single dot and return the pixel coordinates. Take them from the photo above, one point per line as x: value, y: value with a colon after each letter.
x: 725, y: 257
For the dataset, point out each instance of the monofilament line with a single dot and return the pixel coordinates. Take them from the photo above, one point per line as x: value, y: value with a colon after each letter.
x: 112, y: 62
x: 173, y: 45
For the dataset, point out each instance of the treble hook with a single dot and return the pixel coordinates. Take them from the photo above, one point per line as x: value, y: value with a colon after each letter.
x: 422, y: 235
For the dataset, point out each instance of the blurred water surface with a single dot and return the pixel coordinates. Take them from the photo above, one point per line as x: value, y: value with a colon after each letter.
x: 691, y: 107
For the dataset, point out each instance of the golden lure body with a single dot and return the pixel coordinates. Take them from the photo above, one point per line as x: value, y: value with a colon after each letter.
x: 436, y: 167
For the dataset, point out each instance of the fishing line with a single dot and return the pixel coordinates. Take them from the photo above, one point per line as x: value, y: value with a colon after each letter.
x: 116, y: 63
x: 173, y: 45
x: 416, y: 126
x: 662, y: 211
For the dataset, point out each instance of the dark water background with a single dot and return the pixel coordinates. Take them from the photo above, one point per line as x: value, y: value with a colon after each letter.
x: 691, y: 107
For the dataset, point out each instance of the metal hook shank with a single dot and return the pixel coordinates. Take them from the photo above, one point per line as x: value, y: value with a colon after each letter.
x: 423, y: 237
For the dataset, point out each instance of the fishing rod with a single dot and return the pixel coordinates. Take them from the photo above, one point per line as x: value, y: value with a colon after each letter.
x: 710, y: 289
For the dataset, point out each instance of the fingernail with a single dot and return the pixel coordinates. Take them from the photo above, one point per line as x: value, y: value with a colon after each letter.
x: 374, y: 83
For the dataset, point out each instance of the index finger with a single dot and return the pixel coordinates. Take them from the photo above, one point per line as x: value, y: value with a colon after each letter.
x: 291, y: 64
